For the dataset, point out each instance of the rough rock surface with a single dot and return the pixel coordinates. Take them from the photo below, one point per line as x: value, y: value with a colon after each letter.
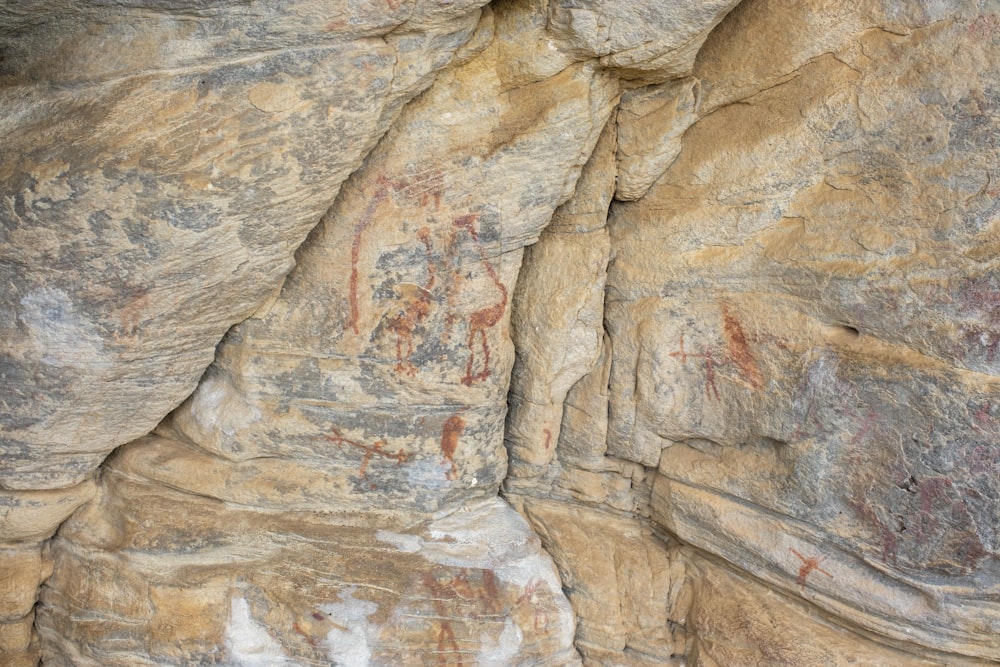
x: 814, y: 373
x: 160, y: 165
x: 709, y: 293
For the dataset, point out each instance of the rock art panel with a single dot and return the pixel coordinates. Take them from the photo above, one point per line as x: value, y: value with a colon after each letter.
x: 746, y: 261
x: 799, y: 363
x: 155, y: 197
x: 209, y: 581
x: 160, y: 166
x: 373, y: 385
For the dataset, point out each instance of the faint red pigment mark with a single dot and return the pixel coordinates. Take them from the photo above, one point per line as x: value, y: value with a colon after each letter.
x: 133, y: 311
x: 370, y: 451
x: 983, y: 459
x: 866, y: 429
x: 447, y: 643
x: 364, y: 221
x: 710, y: 365
x: 548, y: 438
x: 419, y: 190
x: 984, y: 26
x: 528, y: 595
x: 681, y: 353
x: 810, y: 419
x: 422, y: 188
x: 982, y: 418
x: 739, y: 349
x: 941, y: 497
x: 308, y: 636
x: 979, y: 298
x: 859, y: 501
x: 890, y: 543
x: 541, y: 619
x: 769, y: 339
x: 485, y: 318
x: 450, y: 433
x: 809, y: 565
x: 483, y: 595
x: 415, y: 311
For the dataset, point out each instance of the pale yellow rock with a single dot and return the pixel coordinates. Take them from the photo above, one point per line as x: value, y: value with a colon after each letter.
x: 736, y: 621
x: 721, y: 284
x: 557, y: 317
x: 185, y: 579
x: 18, y: 645
x: 21, y: 571
x: 620, y: 579
x: 645, y: 41
x: 651, y: 122
x: 35, y: 515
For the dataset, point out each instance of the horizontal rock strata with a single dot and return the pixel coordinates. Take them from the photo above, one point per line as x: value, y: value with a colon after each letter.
x: 538, y: 333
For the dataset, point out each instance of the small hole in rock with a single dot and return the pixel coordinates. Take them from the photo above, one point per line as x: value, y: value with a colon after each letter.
x: 853, y: 331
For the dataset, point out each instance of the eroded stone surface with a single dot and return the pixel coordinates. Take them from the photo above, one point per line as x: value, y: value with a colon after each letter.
x: 156, y: 576
x: 753, y: 415
x: 160, y: 166
x: 154, y: 198
x: 811, y: 348
x: 375, y: 381
x: 800, y: 376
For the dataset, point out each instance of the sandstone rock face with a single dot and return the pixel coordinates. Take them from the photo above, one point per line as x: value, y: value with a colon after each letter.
x: 800, y: 378
x: 160, y: 166
x: 153, y: 199
x: 818, y: 364
x: 708, y: 294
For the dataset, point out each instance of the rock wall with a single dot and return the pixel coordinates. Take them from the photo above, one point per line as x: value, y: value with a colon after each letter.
x: 537, y: 333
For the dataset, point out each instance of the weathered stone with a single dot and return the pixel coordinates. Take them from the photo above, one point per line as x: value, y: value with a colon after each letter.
x: 557, y: 317
x: 646, y: 41
x: 154, y: 197
x: 750, y: 406
x: 733, y: 620
x: 27, y: 516
x: 811, y: 350
x: 651, y: 122
x: 620, y: 579
x: 376, y: 378
x: 153, y: 576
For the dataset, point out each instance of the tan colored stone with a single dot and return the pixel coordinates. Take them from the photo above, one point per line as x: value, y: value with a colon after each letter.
x: 188, y: 579
x: 645, y: 41
x: 808, y: 357
x: 35, y: 515
x: 619, y: 577
x: 651, y: 122
x: 21, y: 571
x: 751, y: 406
x: 149, y: 205
x: 16, y: 638
x: 735, y: 621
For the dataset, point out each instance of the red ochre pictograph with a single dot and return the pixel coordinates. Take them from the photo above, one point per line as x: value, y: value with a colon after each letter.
x: 710, y: 365
x: 737, y: 352
x: 809, y: 565
x: 452, y: 598
x: 450, y: 433
x: 485, y: 318
x: 415, y: 311
x: 370, y: 451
